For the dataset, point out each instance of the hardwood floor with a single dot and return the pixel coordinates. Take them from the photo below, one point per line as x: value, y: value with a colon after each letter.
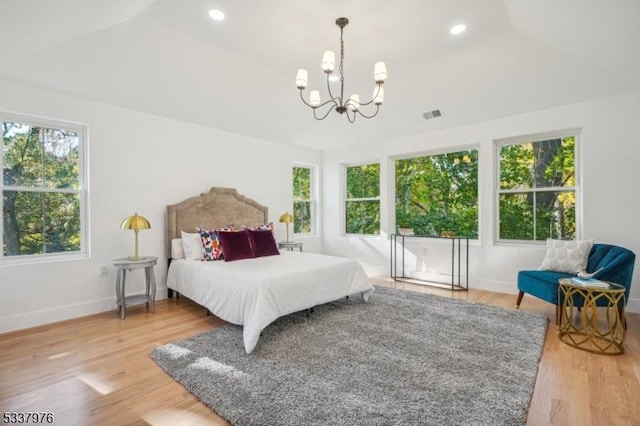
x: 97, y: 370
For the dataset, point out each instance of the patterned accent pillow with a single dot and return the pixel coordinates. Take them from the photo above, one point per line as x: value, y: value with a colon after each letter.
x: 211, y: 246
x: 566, y: 256
x: 265, y: 227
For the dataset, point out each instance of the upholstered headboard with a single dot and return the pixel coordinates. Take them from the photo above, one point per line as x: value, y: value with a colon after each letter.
x: 217, y: 208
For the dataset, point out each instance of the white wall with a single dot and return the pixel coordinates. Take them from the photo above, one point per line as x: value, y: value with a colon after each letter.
x: 140, y: 162
x: 137, y: 162
x: 609, y: 155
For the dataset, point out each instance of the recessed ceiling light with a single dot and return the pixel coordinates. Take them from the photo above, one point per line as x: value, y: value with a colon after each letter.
x: 457, y: 29
x: 216, y: 14
x: 334, y: 77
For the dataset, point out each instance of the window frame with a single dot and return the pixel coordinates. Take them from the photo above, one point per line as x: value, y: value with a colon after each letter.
x: 81, y: 191
x: 434, y: 153
x: 576, y: 189
x: 313, y: 200
x: 345, y: 200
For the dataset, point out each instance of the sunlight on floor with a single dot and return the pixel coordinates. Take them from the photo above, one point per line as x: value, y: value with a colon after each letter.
x: 174, y: 351
x: 60, y: 355
x: 218, y: 368
x: 172, y: 417
x: 95, y: 382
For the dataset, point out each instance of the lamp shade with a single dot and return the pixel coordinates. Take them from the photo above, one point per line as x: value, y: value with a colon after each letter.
x: 378, y: 95
x: 379, y: 72
x: 328, y: 61
x: 135, y: 223
x: 301, y: 79
x: 286, y: 218
x: 314, y: 98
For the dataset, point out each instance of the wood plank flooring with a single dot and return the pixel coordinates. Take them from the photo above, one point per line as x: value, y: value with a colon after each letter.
x: 96, y: 370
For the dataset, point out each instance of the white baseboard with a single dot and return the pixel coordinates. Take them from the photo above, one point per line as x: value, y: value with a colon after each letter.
x: 497, y: 286
x: 61, y: 313
x: 633, y: 305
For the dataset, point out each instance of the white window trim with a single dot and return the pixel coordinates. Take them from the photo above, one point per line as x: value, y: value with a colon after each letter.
x: 343, y: 205
x: 83, y: 192
x: 314, y: 197
x: 577, y: 188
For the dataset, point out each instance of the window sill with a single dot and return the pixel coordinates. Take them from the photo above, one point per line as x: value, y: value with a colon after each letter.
x: 36, y: 259
x: 535, y: 245
x: 303, y: 236
x: 363, y: 236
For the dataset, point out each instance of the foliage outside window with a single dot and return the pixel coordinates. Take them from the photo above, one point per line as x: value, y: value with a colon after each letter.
x: 537, y: 189
x: 362, y: 205
x: 438, y: 194
x: 42, y: 188
x: 302, y: 200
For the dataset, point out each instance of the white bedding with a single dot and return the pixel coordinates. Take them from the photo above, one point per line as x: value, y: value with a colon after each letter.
x: 255, y: 292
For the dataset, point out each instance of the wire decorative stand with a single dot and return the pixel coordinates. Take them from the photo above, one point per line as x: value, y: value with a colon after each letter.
x: 459, y: 258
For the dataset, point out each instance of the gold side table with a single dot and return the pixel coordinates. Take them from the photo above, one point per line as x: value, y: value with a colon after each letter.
x: 590, y: 331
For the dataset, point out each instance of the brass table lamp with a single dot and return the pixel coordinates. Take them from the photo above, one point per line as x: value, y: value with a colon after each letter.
x: 286, y: 218
x: 135, y: 223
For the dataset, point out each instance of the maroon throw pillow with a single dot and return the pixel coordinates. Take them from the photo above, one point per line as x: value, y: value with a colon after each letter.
x: 262, y: 243
x: 235, y: 245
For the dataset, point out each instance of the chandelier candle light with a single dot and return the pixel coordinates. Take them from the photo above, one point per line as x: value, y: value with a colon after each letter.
x: 351, y: 106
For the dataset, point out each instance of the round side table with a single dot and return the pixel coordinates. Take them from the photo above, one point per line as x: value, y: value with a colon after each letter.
x: 590, y: 331
x: 125, y: 264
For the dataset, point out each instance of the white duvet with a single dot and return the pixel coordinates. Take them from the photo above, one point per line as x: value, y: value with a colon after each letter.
x: 255, y: 292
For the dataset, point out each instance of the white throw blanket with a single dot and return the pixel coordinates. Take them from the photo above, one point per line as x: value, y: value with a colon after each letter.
x: 255, y: 292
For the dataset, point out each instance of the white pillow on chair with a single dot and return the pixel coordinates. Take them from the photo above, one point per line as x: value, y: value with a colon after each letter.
x: 566, y: 256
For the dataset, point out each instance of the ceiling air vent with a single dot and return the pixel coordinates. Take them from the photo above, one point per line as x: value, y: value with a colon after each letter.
x: 432, y: 114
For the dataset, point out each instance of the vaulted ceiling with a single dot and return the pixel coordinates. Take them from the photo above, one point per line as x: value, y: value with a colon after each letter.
x: 169, y: 58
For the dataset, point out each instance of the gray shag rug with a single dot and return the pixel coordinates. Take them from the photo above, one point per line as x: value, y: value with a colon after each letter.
x: 404, y: 358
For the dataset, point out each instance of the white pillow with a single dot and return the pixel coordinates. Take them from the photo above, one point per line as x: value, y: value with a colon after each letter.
x: 566, y: 256
x: 191, y: 245
x: 177, y: 252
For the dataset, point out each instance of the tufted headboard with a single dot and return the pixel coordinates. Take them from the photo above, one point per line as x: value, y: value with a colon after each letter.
x: 217, y: 208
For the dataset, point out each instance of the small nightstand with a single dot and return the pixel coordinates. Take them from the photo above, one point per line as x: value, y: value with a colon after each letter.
x: 125, y: 264
x: 290, y: 245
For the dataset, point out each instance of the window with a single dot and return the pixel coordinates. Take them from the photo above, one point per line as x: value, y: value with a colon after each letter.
x: 363, y: 199
x: 438, y: 194
x: 537, y: 188
x: 303, y: 200
x: 43, y: 187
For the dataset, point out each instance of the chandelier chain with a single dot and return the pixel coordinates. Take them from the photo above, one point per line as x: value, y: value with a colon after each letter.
x: 341, y: 56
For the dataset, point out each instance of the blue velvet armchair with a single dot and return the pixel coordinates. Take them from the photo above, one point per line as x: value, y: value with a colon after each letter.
x: 612, y: 263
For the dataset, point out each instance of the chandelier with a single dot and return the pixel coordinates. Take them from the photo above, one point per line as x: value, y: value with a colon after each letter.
x: 351, y: 106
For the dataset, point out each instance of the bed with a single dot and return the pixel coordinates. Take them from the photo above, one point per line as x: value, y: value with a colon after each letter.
x: 253, y: 292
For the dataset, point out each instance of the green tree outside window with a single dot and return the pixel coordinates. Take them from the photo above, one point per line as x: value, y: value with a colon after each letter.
x: 438, y: 194
x: 362, y: 205
x: 537, y: 198
x: 41, y: 189
x: 302, y: 200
